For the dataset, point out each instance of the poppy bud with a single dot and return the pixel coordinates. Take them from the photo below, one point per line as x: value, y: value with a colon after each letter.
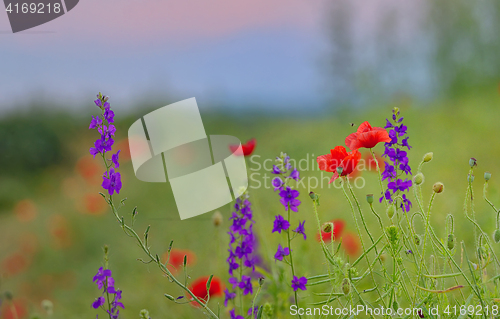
x: 438, y: 187
x: 217, y: 219
x: 144, y: 314
x: 496, y: 236
x: 487, y: 176
x: 428, y: 157
x: 451, y: 241
x: 340, y: 169
x: 417, y: 239
x: 369, y: 198
x: 472, y: 162
x: 390, y: 211
x: 48, y: 306
x: 346, y: 286
x: 8, y: 295
x: 327, y: 227
x: 470, y: 178
x: 419, y: 178
x: 312, y: 195
x: 261, y: 281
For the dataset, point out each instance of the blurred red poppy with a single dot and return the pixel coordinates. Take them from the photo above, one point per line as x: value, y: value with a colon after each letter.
x: 25, y: 210
x: 366, y: 136
x: 339, y: 157
x: 351, y: 244
x: 371, y: 164
x: 338, y: 228
x: 199, y: 288
x: 123, y: 146
x: 14, y: 264
x: 89, y: 169
x: 59, y: 229
x: 94, y: 204
x: 176, y: 260
x: 14, y: 310
x: 247, y: 148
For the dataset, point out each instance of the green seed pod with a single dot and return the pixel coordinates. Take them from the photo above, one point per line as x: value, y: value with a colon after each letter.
x: 340, y: 169
x: 395, y: 305
x: 496, y: 236
x: 470, y: 178
x: 438, y: 187
x: 346, y: 286
x: 369, y: 198
x: 487, y: 176
x: 472, y: 162
x: 428, y: 157
x: 451, y: 241
x: 327, y: 227
x: 417, y: 240
x: 419, y: 178
x: 390, y: 211
x: 217, y: 218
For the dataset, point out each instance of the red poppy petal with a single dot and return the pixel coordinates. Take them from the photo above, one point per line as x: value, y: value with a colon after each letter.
x: 364, y: 127
x: 338, y: 154
x: 351, y: 141
x: 370, y: 139
x: 325, y: 163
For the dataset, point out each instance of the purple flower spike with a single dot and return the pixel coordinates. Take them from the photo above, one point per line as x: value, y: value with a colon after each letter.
x: 288, y: 199
x: 113, y: 182
x: 246, y: 285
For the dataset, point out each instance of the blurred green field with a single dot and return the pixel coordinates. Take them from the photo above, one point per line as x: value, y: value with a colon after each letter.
x: 54, y: 224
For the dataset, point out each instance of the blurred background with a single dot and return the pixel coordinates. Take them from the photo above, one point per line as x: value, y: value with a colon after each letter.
x: 293, y: 74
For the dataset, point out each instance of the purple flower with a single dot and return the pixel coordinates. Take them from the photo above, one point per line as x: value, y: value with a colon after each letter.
x: 255, y: 311
x: 228, y: 296
x: 277, y: 183
x: 276, y: 170
x: 399, y: 185
x: 294, y: 175
x: 114, y: 158
x: 289, y: 199
x: 299, y: 283
x: 234, y: 316
x: 112, y: 182
x: 300, y: 229
x: 282, y: 252
x: 280, y: 224
x: 109, y: 115
x: 246, y: 285
x: 98, y: 302
x: 101, y: 276
x: 95, y: 122
x: 98, y: 102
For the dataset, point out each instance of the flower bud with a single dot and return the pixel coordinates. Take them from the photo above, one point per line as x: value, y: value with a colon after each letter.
x: 417, y: 240
x: 451, y: 241
x: 496, y: 236
x: 390, y: 211
x: 48, y: 306
x: 472, y: 162
x: 261, y: 281
x: 487, y: 176
x: 346, y: 286
x: 470, y: 178
x: 369, y: 198
x: 428, y: 157
x: 340, y: 169
x: 8, y: 295
x: 327, y: 227
x: 217, y: 218
x: 418, y: 179
x: 144, y: 314
x: 395, y: 305
x: 438, y: 187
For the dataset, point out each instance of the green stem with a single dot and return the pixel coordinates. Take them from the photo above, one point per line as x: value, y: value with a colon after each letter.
x: 291, y: 260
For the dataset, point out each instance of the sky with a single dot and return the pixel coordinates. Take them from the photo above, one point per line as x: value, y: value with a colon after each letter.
x: 239, y: 54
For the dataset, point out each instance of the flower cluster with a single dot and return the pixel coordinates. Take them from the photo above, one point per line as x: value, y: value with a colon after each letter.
x: 241, y: 247
x: 105, y: 282
x: 283, y: 168
x: 104, y: 125
x: 398, y: 161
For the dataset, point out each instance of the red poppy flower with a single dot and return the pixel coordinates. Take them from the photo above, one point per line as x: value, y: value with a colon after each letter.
x: 176, y: 260
x: 351, y: 244
x: 367, y: 137
x: 14, y: 264
x: 247, y: 148
x: 14, y: 310
x: 338, y: 228
x: 199, y: 288
x: 339, y: 157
